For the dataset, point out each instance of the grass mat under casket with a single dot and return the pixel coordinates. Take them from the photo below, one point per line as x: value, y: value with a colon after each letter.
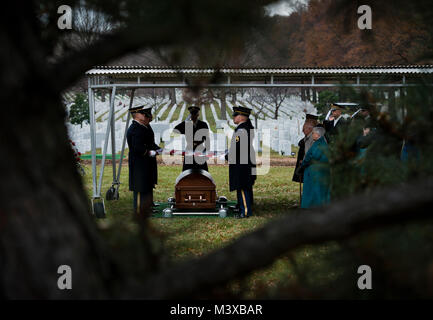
x: 158, y: 211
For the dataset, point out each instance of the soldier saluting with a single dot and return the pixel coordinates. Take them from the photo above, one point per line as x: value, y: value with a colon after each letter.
x: 335, y: 123
x: 242, y: 161
x: 143, y: 172
x: 197, y: 138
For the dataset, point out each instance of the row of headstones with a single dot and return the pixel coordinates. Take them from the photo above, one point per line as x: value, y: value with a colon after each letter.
x: 279, y: 139
x: 284, y: 132
x: 121, y: 106
x: 123, y: 101
x: 292, y: 105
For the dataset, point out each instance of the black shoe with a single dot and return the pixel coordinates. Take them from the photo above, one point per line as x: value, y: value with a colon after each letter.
x: 154, y: 205
x: 247, y: 217
x: 234, y: 209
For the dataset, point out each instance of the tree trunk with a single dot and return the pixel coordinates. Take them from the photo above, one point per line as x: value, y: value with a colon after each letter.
x: 302, y: 93
x: 223, y: 105
x: 172, y: 93
x: 234, y: 97
x: 45, y: 220
x: 391, y: 102
x: 403, y: 103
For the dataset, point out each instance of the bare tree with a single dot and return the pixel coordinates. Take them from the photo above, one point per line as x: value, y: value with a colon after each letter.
x: 277, y: 97
x: 221, y: 94
x: 157, y: 96
x: 260, y: 98
x: 88, y: 26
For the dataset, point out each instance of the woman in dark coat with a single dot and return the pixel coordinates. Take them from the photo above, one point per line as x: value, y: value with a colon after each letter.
x: 316, y: 172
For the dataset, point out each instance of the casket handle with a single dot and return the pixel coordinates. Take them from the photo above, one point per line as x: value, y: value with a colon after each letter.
x: 189, y: 199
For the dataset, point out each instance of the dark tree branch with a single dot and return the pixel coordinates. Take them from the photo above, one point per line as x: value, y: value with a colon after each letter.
x: 260, y: 248
x: 111, y: 46
x: 191, y: 24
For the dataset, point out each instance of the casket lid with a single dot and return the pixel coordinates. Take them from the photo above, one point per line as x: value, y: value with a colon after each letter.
x: 191, y: 171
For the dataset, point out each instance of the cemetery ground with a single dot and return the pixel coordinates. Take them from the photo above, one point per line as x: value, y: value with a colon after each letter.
x: 184, y: 237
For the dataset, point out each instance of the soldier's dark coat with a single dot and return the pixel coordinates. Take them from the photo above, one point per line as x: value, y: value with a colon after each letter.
x: 199, y: 125
x: 143, y: 172
x: 331, y: 130
x: 298, y: 175
x: 240, y: 173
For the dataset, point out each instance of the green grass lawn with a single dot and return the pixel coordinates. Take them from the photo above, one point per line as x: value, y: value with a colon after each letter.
x: 186, y: 237
x: 99, y: 119
x: 267, y: 202
x: 186, y: 112
x: 209, y: 117
x: 166, y: 112
x: 217, y: 109
x: 157, y: 109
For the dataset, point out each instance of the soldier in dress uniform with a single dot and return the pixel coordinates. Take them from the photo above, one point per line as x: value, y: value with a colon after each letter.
x: 242, y: 161
x: 304, y: 145
x: 200, y: 142
x: 363, y: 121
x: 336, y: 123
x: 143, y: 172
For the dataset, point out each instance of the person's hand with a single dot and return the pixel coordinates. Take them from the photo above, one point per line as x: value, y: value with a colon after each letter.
x: 152, y: 153
x: 222, y: 157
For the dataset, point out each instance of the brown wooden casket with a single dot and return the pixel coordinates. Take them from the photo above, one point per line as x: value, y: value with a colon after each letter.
x: 195, y: 189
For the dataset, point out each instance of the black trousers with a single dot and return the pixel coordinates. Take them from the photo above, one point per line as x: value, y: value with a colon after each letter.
x: 143, y: 202
x: 245, y: 201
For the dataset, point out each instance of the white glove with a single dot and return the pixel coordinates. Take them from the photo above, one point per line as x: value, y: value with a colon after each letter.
x: 222, y: 157
x: 152, y: 153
